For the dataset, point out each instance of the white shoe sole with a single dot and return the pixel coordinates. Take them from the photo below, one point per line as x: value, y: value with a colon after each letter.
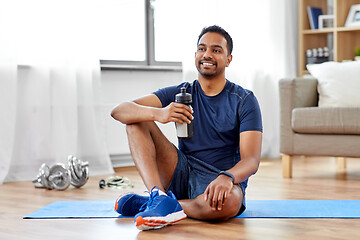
x: 148, y: 223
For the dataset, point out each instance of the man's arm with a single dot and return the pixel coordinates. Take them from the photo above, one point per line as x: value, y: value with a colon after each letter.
x: 149, y: 108
x: 250, y: 152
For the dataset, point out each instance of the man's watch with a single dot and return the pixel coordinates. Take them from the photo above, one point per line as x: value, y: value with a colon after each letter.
x: 227, y: 174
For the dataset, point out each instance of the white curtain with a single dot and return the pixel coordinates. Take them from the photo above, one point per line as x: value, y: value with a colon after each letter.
x: 49, y: 88
x: 264, y: 33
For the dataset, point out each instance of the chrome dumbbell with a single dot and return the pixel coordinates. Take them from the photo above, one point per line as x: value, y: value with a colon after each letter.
x: 57, y: 177
x: 79, y: 171
x: 41, y: 180
x: 60, y: 177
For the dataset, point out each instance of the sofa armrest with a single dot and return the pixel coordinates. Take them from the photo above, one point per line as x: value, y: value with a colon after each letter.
x: 294, y: 93
x: 299, y: 92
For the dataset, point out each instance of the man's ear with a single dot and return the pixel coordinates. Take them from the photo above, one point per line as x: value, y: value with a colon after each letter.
x: 228, y: 60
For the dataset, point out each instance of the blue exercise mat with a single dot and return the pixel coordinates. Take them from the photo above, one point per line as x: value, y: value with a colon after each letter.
x: 302, y: 209
x: 254, y: 209
x: 77, y: 209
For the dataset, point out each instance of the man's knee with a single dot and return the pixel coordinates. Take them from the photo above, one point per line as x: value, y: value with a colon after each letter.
x: 229, y: 210
x: 232, y: 206
x: 136, y: 127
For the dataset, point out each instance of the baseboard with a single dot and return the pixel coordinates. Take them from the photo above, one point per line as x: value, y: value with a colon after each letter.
x: 121, y: 160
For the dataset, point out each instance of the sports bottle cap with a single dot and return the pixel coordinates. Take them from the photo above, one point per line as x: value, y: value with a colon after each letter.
x: 183, y: 97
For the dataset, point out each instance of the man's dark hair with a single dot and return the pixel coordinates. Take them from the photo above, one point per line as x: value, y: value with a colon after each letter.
x: 221, y: 31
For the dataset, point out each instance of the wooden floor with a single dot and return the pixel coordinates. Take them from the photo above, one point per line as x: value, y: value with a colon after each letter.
x: 313, y: 178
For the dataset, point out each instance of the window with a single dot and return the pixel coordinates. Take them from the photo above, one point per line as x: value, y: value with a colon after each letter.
x: 103, y: 29
x: 166, y: 30
x: 134, y: 37
x: 123, y: 30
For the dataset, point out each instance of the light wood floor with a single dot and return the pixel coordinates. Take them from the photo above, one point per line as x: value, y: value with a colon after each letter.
x: 313, y: 178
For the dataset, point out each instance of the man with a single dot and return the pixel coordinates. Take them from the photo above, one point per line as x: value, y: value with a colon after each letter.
x: 205, y: 173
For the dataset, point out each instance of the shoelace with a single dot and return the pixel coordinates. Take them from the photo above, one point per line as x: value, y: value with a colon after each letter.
x: 153, y: 195
x: 170, y: 194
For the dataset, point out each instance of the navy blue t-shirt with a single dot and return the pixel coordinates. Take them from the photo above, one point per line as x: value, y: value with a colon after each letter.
x: 218, y: 120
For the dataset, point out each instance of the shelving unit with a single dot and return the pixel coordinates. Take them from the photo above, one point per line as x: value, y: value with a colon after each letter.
x: 339, y: 39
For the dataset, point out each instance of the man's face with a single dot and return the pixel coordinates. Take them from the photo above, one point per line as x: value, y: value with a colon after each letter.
x: 211, y: 56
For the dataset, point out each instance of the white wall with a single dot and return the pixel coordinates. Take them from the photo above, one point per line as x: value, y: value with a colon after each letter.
x: 122, y: 85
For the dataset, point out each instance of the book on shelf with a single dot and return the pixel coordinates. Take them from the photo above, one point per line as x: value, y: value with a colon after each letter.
x: 314, y: 13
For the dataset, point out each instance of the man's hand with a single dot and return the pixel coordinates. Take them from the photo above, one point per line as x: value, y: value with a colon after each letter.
x: 175, y: 112
x: 217, y: 192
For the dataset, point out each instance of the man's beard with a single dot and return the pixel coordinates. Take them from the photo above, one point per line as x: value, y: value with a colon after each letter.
x: 207, y: 75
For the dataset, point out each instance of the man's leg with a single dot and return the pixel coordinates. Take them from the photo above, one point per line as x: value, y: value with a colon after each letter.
x: 199, y: 209
x: 154, y: 155
x: 156, y: 159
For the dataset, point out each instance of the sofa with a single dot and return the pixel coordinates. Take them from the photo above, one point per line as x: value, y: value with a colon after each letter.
x: 307, y: 129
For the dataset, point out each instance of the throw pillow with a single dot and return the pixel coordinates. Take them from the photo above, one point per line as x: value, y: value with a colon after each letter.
x: 338, y: 83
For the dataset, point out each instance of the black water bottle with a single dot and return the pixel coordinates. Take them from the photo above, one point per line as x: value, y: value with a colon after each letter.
x: 185, y: 130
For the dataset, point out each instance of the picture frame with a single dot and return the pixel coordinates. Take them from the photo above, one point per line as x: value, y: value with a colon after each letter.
x: 353, y: 18
x: 326, y: 21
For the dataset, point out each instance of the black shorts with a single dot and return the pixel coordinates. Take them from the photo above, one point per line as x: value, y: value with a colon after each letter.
x: 192, y: 176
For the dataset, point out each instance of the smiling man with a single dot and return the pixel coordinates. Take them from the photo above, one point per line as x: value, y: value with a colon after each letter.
x: 206, y: 176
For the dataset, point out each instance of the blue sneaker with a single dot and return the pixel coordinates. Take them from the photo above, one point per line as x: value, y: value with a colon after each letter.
x: 160, y: 211
x: 131, y: 204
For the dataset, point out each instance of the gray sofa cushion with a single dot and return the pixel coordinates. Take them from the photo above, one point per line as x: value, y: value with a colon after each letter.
x: 326, y: 120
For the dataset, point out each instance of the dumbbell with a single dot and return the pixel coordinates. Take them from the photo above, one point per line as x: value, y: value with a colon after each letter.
x: 79, y: 171
x: 59, y: 177
x: 41, y: 180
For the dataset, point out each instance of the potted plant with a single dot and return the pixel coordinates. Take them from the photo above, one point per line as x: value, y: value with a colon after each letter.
x: 357, y: 54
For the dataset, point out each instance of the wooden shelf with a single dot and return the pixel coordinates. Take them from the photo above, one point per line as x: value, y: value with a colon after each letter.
x: 341, y: 40
x: 318, y: 31
x: 347, y: 29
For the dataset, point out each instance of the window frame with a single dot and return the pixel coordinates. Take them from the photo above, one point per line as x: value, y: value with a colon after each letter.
x: 149, y: 63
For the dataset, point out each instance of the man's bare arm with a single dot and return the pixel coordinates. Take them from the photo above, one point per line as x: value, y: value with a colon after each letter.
x: 149, y: 108
x: 250, y: 151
